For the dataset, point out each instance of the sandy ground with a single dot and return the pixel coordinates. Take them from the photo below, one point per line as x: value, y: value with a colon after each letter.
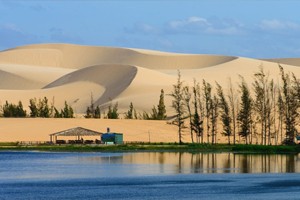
x: 134, y: 130
x: 65, y: 72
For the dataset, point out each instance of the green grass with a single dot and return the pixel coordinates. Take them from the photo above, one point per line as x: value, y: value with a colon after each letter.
x: 239, y: 148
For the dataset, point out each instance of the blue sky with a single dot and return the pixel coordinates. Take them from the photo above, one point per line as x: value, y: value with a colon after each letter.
x: 250, y: 28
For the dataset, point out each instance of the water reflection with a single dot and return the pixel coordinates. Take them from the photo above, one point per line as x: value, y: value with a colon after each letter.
x: 183, y: 162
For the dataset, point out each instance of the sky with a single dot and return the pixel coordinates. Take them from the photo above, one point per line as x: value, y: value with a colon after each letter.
x: 248, y: 28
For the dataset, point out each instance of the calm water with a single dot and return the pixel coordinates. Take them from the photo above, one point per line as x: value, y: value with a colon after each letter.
x: 38, y: 175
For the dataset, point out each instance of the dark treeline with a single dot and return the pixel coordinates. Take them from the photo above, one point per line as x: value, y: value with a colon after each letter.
x: 261, y: 113
x: 38, y: 108
x: 157, y: 112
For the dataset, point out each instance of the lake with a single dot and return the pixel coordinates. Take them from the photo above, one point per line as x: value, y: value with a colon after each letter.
x: 148, y: 175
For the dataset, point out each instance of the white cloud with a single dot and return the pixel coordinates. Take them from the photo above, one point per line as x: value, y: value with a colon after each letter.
x: 191, y: 21
x: 196, y: 25
x: 143, y: 28
x: 275, y: 24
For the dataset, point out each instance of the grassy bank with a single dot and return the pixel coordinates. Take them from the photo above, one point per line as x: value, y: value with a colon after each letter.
x: 240, y: 148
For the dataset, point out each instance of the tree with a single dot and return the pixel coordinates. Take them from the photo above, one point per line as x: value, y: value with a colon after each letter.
x: 67, y: 112
x: 33, y: 108
x: 43, y: 108
x: 154, y: 114
x: 129, y: 114
x: 20, y: 111
x: 214, y: 118
x: 225, y: 112
x: 113, y: 111
x: 57, y: 114
x: 12, y: 110
x: 187, y: 98
x: 233, y: 105
x: 244, y: 115
x: 263, y: 107
x: 280, y: 106
x: 91, y: 111
x: 88, y: 113
x: 208, y: 105
x: 178, y: 105
x: 97, y: 113
x: 290, y: 105
x: 158, y: 113
x: 197, y: 123
x: 161, y: 115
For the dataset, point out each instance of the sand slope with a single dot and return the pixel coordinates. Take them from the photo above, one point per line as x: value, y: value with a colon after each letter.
x: 72, y: 73
x: 120, y: 75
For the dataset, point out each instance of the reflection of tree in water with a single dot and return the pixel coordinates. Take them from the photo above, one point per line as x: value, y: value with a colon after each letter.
x: 197, y: 163
x: 227, y: 164
x: 183, y: 162
x: 290, y: 163
x: 161, y: 158
x: 244, y: 166
x: 179, y: 165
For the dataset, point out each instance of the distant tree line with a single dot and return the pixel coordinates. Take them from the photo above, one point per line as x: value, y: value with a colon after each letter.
x: 261, y: 113
x: 38, y: 108
x: 157, y: 113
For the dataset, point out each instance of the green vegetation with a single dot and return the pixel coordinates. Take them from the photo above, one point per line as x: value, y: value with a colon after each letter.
x: 240, y: 148
x: 38, y: 108
x: 113, y: 111
x: 178, y: 105
x: 12, y: 110
x: 91, y: 111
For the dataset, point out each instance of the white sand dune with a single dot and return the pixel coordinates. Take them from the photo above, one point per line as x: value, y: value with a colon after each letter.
x: 66, y: 72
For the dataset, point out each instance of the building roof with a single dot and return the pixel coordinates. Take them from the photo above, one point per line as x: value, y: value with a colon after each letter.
x: 78, y: 131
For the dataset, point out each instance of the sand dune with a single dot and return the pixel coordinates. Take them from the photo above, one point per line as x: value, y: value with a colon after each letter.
x: 124, y: 75
x: 287, y: 61
x: 65, y: 72
x: 114, y: 78
x: 75, y: 56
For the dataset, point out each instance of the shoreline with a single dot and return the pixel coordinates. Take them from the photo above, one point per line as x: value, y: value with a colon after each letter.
x: 159, y: 147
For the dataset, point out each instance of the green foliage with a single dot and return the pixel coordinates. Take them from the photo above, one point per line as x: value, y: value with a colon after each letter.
x: 197, y: 121
x: 207, y: 88
x: 33, y: 108
x: 91, y: 112
x: 113, y: 111
x: 130, y: 112
x: 178, y: 105
x: 12, y: 110
x: 187, y: 99
x: 161, y: 108
x: 213, y: 118
x: 66, y: 112
x: 57, y: 114
x: 97, y: 113
x: 40, y: 108
x: 225, y: 112
x: 158, y: 113
x: 244, y: 115
x: 290, y: 100
x: 43, y: 108
x: 88, y: 113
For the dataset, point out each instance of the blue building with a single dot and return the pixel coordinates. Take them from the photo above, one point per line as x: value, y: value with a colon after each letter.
x: 110, y: 137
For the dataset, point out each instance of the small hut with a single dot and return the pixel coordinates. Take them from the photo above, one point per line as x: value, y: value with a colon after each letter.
x: 78, y: 133
x: 111, y: 137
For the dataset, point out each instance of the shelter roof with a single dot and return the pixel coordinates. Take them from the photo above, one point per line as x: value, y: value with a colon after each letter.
x: 78, y: 131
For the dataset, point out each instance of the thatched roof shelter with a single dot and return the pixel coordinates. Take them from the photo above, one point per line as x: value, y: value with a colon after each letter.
x: 78, y: 132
